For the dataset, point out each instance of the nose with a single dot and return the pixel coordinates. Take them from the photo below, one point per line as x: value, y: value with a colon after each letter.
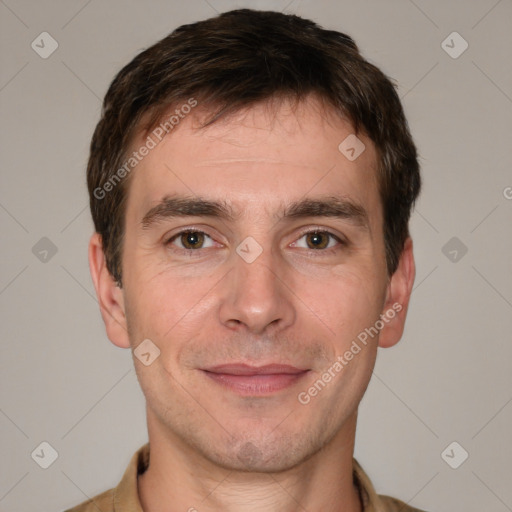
x: 257, y: 296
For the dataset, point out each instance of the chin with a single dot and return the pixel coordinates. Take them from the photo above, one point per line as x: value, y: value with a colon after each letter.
x: 263, y: 455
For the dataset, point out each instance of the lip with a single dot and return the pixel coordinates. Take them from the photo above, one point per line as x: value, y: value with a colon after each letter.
x: 249, y: 380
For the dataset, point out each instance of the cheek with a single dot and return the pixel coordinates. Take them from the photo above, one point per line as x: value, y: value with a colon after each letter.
x: 346, y: 299
x: 167, y: 308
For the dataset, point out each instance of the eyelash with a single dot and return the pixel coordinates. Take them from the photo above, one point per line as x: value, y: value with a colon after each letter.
x: 316, y: 252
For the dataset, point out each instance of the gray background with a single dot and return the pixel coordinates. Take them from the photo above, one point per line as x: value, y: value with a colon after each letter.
x: 449, y: 379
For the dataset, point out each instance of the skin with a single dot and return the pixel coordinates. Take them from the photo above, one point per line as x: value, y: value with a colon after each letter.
x: 212, y: 448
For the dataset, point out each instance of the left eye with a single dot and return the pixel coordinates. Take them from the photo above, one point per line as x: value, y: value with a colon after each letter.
x: 318, y: 240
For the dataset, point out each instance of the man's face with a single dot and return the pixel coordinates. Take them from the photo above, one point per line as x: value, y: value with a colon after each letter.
x: 242, y: 333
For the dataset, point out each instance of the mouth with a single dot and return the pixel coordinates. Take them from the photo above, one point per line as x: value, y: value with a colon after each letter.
x: 249, y: 380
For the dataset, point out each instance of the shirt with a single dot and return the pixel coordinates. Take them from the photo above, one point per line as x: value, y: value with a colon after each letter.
x: 125, y: 498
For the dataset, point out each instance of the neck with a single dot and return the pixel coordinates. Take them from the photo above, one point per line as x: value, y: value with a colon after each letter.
x: 181, y: 479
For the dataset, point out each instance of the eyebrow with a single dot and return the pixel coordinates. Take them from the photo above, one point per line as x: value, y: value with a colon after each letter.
x: 184, y: 206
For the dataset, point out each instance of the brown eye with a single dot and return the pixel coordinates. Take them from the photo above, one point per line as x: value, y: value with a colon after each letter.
x: 319, y: 242
x: 189, y: 240
x: 317, y: 239
x: 192, y: 239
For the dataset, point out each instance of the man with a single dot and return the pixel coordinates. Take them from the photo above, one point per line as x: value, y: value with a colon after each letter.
x: 251, y: 181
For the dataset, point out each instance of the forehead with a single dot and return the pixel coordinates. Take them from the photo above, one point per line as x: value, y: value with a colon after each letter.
x: 258, y: 159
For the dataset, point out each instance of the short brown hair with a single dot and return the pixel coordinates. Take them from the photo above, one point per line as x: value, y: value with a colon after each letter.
x: 231, y: 62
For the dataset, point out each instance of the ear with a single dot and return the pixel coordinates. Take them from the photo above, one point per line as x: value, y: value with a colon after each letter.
x: 397, y: 298
x: 110, y: 296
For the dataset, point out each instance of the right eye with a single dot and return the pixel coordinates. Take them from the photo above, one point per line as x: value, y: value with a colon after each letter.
x: 189, y: 240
